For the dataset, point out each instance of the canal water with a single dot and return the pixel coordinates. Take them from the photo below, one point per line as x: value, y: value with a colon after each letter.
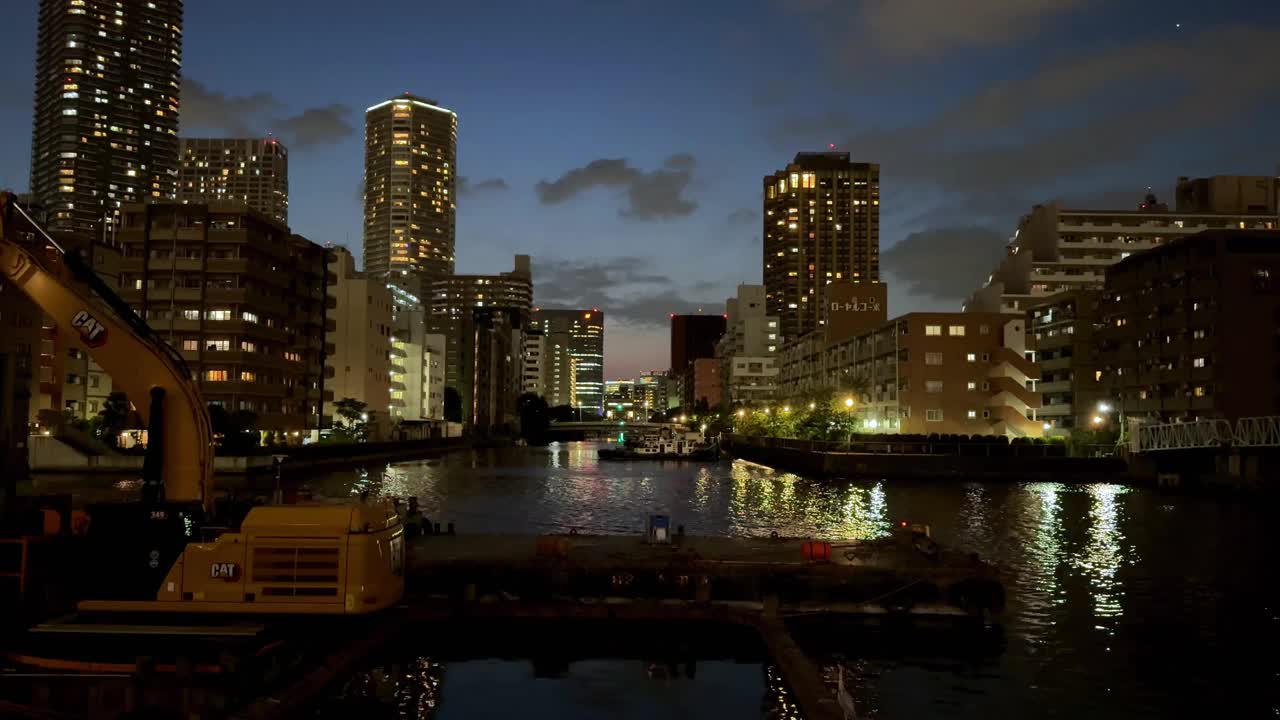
x: 1123, y: 603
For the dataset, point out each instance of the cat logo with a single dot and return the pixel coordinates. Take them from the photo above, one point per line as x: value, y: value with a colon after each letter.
x: 92, y: 332
x: 225, y: 571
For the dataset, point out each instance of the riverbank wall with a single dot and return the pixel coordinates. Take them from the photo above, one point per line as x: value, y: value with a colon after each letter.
x: 48, y: 455
x: 925, y: 461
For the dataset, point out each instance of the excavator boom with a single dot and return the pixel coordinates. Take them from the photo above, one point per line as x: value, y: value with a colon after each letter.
x: 152, y: 374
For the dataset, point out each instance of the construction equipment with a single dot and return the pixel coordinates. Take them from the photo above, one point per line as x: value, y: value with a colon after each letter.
x: 338, y: 559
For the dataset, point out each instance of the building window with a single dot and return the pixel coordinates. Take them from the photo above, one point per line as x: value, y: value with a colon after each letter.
x: 215, y: 375
x: 248, y: 376
x: 191, y: 345
x: 933, y: 358
x: 971, y: 357
x: 986, y: 385
x: 933, y: 386
x: 249, y: 317
x: 933, y: 415
x: 218, y: 315
x: 973, y: 414
x: 1199, y: 391
x: 190, y: 314
x: 986, y: 414
x: 1197, y: 334
x: 932, y: 329
x: 956, y: 331
x: 984, y: 329
x: 971, y: 386
x: 1198, y: 362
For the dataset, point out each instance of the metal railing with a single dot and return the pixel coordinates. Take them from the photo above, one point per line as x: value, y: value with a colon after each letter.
x: 1246, y: 432
x: 970, y: 448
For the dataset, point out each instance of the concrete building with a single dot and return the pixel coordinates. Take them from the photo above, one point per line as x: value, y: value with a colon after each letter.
x: 1061, y: 336
x: 1189, y: 329
x: 1233, y: 194
x: 705, y: 385
x: 489, y: 350
x: 559, y: 380
x: 242, y: 298
x: 453, y: 298
x: 533, y: 376
x: 651, y: 394
x: 105, y: 131
x: 254, y: 171
x: 821, y: 225
x: 1056, y: 250
x: 583, y: 333
x: 361, y: 334
x: 19, y: 351
x: 749, y: 348
x: 619, y: 399
x: 433, y: 377
x: 410, y: 184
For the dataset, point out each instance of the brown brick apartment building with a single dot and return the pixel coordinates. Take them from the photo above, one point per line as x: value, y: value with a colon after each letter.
x: 1192, y: 329
x: 241, y: 297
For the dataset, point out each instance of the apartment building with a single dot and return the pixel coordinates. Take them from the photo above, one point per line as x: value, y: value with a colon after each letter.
x: 1062, y: 339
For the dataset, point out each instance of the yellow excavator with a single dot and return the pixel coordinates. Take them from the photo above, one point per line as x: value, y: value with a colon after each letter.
x: 168, y: 553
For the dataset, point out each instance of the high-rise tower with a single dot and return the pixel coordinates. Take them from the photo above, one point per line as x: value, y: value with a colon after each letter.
x: 410, y: 151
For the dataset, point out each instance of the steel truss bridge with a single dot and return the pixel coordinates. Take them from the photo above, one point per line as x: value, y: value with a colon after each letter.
x: 1245, y: 432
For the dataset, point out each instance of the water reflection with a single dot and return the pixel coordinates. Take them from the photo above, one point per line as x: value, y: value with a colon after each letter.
x: 1105, y: 553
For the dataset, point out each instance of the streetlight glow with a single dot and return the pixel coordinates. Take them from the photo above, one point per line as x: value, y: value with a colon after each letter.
x: 1047, y: 426
x: 1104, y: 407
x: 741, y: 413
x: 786, y: 408
x: 848, y: 402
x: 813, y: 405
x: 1097, y: 419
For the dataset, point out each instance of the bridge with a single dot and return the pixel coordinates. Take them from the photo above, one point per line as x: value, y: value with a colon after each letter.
x: 606, y: 428
x: 1243, y: 433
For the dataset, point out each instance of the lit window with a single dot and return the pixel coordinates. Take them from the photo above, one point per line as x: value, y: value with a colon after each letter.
x: 1199, y: 391
x: 215, y: 375
x: 218, y: 315
x: 248, y: 376
x: 249, y: 317
x: 956, y: 330
x: 932, y: 329
x: 190, y: 344
x: 1198, y: 362
x: 972, y: 386
x: 973, y: 414
x: 971, y: 357
x: 933, y: 415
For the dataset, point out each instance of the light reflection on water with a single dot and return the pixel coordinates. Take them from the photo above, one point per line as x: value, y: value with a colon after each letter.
x: 1122, y: 603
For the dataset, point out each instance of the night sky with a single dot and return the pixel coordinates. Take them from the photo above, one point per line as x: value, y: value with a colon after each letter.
x: 622, y: 144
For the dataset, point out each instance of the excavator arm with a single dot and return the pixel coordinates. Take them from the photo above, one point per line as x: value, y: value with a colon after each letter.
x: 179, y: 462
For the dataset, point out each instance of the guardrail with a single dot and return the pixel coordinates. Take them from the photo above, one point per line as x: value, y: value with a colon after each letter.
x: 1261, y: 431
x: 964, y: 448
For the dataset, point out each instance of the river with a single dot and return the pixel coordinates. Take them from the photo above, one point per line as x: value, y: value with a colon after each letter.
x: 1123, y: 603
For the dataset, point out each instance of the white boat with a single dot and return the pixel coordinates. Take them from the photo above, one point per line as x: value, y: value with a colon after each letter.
x: 666, y: 444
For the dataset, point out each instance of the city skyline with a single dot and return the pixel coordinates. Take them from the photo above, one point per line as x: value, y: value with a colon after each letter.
x: 592, y: 162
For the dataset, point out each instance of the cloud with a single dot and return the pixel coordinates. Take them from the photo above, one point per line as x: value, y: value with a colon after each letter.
x: 652, y: 195
x: 206, y: 109
x: 916, y: 27
x: 944, y: 263
x: 743, y: 216
x: 626, y: 288
x: 465, y: 187
x: 317, y: 126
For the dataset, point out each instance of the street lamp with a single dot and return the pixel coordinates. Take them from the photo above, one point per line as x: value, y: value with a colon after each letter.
x: 742, y: 413
x: 848, y: 403
x: 1047, y: 426
x: 786, y: 408
x: 1104, y: 407
x: 1097, y: 419
x: 813, y: 405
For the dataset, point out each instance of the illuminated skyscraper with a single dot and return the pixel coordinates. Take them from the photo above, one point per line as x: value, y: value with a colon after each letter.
x: 410, y: 151
x: 821, y: 224
x: 584, y: 330
x: 105, y: 130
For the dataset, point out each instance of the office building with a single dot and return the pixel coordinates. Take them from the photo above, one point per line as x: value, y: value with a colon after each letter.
x: 105, y: 131
x: 583, y: 331
x: 651, y: 394
x: 244, y: 301
x: 704, y: 385
x: 619, y: 399
x: 1061, y: 336
x: 1056, y: 250
x: 410, y: 183
x: 964, y: 373
x: 453, y: 298
x: 1189, y: 329
x: 693, y: 337
x: 821, y: 225
x: 559, y: 381
x: 749, y: 348
x: 1234, y: 194
x: 254, y: 171
x: 363, y: 360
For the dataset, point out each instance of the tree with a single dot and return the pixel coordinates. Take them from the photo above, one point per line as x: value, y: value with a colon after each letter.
x: 452, y: 405
x: 701, y: 407
x: 113, y: 418
x: 236, y: 432
x: 534, y: 418
x: 562, y: 413
x: 355, y: 420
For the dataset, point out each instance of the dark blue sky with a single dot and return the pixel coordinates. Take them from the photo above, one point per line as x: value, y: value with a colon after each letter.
x: 974, y: 109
